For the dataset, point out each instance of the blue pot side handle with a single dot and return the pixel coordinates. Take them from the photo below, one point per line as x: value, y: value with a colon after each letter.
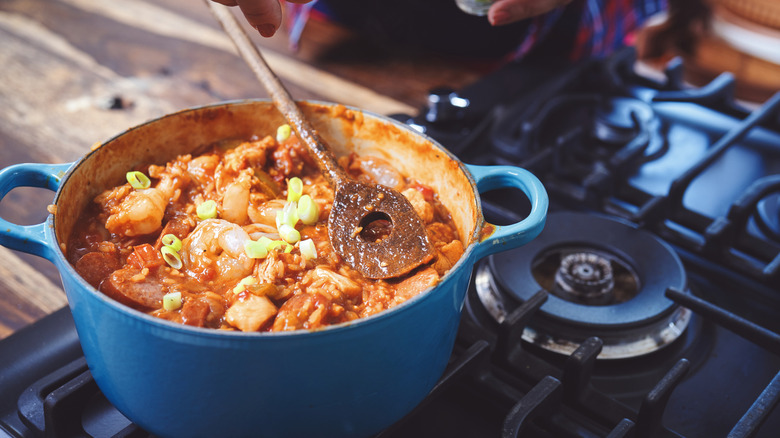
x: 29, y: 238
x: 506, y: 237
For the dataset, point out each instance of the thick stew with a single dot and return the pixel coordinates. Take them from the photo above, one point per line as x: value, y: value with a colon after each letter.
x: 235, y: 237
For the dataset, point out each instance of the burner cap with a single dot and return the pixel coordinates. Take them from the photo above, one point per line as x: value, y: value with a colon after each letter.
x: 606, y: 278
x: 584, y: 277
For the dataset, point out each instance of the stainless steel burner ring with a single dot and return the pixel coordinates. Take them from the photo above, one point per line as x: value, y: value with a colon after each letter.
x: 595, y: 255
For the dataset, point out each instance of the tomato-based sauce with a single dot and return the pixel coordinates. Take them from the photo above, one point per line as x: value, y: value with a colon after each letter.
x: 216, y: 240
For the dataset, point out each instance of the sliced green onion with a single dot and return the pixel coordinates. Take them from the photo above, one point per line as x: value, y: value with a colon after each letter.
x: 171, y: 257
x: 289, y: 234
x: 171, y: 242
x: 280, y: 243
x: 287, y: 215
x: 172, y: 301
x: 283, y: 132
x: 138, y: 180
x: 308, y: 249
x: 257, y: 249
x: 246, y: 281
x: 308, y: 211
x: 207, y: 210
x: 275, y: 244
x: 294, y: 189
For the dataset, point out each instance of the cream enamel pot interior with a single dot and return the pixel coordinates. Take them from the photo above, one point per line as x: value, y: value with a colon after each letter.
x: 347, y: 380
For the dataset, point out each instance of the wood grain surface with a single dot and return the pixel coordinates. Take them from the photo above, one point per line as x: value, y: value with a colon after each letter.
x: 77, y: 72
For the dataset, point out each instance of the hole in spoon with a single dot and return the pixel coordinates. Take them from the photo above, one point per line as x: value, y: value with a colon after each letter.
x: 375, y: 227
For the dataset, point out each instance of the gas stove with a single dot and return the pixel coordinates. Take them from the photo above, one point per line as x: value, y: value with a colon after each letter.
x: 648, y: 307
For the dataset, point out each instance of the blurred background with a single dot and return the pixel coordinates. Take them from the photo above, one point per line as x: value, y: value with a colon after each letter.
x: 715, y: 36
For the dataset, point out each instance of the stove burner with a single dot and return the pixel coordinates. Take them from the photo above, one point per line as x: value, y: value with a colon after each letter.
x: 606, y: 279
x: 586, y: 276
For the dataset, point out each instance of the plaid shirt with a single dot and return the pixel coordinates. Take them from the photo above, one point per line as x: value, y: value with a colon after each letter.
x: 603, y: 25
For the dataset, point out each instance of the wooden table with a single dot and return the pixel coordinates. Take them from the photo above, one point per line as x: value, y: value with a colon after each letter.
x: 76, y: 72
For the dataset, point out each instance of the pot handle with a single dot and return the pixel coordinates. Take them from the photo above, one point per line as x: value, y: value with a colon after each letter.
x: 505, y: 237
x: 29, y: 238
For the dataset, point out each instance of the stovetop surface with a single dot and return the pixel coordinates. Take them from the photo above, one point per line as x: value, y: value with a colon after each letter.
x: 687, y: 168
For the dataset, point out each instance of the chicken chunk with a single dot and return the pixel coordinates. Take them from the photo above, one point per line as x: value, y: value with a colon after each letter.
x: 421, y: 206
x: 250, y: 313
x: 447, y: 256
x: 303, y: 311
x: 324, y: 279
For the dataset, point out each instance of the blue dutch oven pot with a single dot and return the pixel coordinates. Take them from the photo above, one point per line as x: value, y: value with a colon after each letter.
x: 348, y: 380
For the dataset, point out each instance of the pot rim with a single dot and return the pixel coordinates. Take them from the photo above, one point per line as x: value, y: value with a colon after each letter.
x: 229, y: 334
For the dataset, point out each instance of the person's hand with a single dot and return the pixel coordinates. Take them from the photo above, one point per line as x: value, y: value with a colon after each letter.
x: 263, y: 15
x: 509, y: 11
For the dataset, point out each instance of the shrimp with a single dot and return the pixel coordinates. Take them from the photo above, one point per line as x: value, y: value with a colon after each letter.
x: 140, y: 212
x: 201, y: 169
x: 265, y: 212
x: 235, y: 201
x: 250, y: 154
x: 215, y: 251
x: 257, y: 231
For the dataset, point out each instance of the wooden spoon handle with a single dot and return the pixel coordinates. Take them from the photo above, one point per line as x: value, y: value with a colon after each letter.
x: 284, y: 102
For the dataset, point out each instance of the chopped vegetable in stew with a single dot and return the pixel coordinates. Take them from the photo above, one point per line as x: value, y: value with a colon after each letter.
x: 236, y: 238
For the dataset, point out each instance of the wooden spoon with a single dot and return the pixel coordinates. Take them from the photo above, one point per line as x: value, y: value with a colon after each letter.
x: 355, y: 204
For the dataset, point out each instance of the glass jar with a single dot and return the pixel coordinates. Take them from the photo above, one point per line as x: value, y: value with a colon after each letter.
x: 475, y: 7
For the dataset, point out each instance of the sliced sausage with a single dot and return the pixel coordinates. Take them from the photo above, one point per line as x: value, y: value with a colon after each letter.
x: 131, y: 287
x: 94, y: 267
